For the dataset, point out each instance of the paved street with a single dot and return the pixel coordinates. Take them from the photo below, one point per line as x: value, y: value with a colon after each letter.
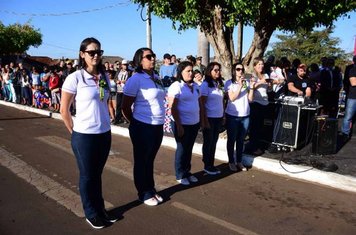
x: 39, y: 191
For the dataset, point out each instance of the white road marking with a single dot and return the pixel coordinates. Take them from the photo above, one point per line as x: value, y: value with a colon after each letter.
x: 213, y: 219
x: 43, y: 183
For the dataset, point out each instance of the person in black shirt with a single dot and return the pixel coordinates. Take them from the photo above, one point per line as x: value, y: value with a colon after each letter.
x: 299, y: 85
x: 350, y: 106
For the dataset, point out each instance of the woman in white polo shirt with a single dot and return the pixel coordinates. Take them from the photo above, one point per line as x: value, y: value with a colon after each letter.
x: 184, y: 101
x: 91, y: 131
x: 240, y: 94
x: 143, y: 107
x: 212, y: 98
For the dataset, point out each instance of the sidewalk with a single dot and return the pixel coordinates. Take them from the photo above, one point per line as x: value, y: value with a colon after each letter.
x: 344, y: 178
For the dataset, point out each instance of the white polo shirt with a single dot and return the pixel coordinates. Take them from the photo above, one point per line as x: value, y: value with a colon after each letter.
x: 260, y: 94
x: 92, y: 114
x: 239, y: 107
x: 214, y: 105
x: 148, y: 106
x: 188, y: 102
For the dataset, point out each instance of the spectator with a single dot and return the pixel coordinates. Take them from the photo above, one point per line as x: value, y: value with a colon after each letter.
x: 121, y: 77
x: 240, y: 94
x: 350, y: 110
x: 184, y: 99
x: 112, y: 97
x: 212, y: 112
x: 91, y: 135
x: 346, y: 81
x: 143, y: 107
x: 25, y: 88
x: 55, y: 87
x: 167, y: 71
x: 199, y: 66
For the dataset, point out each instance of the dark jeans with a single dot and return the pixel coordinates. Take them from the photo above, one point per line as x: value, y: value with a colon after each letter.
x: 257, y: 115
x: 236, y: 128
x: 118, y: 114
x: 184, y: 149
x: 91, y: 151
x: 146, y: 140
x: 210, y: 138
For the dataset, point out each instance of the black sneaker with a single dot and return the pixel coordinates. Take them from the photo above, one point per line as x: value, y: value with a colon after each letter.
x: 96, y: 222
x: 108, y: 218
x: 212, y: 170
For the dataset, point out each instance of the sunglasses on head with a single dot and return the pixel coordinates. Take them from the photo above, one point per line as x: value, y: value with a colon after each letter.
x: 240, y: 69
x: 150, y: 56
x: 95, y: 52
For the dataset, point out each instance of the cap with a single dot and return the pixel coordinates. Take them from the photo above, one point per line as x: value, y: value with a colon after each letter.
x: 302, y: 66
x: 166, y: 56
x: 124, y: 62
x: 199, y: 57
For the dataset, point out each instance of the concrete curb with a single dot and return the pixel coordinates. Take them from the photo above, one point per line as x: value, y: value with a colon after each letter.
x: 330, y: 179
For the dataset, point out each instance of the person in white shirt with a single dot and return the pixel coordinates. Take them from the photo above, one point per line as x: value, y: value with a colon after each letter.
x: 184, y: 102
x: 212, y: 98
x: 259, y: 108
x: 240, y: 94
x: 91, y: 131
x: 143, y: 107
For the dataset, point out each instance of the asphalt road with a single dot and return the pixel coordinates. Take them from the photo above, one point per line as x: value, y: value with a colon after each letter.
x: 39, y: 192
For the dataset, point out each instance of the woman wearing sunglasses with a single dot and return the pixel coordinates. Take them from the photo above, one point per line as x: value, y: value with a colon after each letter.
x: 240, y: 94
x: 91, y: 131
x: 145, y: 92
x: 212, y: 112
x: 184, y: 102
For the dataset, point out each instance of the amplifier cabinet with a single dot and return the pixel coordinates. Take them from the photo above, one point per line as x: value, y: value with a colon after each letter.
x: 294, y: 125
x: 325, y: 136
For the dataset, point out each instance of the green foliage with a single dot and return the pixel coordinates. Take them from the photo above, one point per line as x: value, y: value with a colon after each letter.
x: 309, y: 46
x: 17, y: 39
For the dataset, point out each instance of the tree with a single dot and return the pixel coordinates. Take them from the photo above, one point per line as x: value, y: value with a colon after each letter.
x: 309, y: 47
x: 217, y: 19
x: 17, y: 39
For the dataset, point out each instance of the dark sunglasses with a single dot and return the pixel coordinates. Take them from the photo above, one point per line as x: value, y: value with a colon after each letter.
x: 95, y: 52
x: 240, y: 69
x: 150, y: 56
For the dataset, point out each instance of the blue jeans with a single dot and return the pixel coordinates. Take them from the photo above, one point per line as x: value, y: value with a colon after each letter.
x: 236, y: 128
x: 146, y: 140
x: 91, y: 152
x: 210, y: 138
x: 184, y: 149
x: 349, y: 115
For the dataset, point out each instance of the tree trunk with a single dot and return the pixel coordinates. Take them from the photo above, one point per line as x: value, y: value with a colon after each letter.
x: 260, y: 41
x: 220, y: 38
x: 203, y: 47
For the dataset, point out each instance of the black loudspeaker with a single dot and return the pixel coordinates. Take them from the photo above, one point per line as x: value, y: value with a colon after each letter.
x: 293, y: 126
x: 325, y: 136
x: 266, y: 136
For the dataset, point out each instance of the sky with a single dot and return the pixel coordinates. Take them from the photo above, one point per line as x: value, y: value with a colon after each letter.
x: 117, y: 24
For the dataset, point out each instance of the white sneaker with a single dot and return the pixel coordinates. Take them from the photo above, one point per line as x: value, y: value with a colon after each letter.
x: 159, y: 198
x: 184, y: 181
x: 193, y: 179
x: 151, y: 201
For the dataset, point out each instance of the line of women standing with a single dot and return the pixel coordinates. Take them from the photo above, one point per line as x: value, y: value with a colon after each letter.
x: 143, y: 106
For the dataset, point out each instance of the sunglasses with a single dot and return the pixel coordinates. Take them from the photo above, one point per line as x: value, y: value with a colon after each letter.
x: 240, y: 69
x: 150, y: 56
x: 95, y: 52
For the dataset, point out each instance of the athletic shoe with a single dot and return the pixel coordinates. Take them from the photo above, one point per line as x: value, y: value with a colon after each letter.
x: 192, y: 179
x: 151, y: 201
x: 159, y: 198
x: 233, y: 167
x: 96, y: 222
x: 241, y: 167
x: 184, y: 181
x: 212, y: 170
x: 108, y: 218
